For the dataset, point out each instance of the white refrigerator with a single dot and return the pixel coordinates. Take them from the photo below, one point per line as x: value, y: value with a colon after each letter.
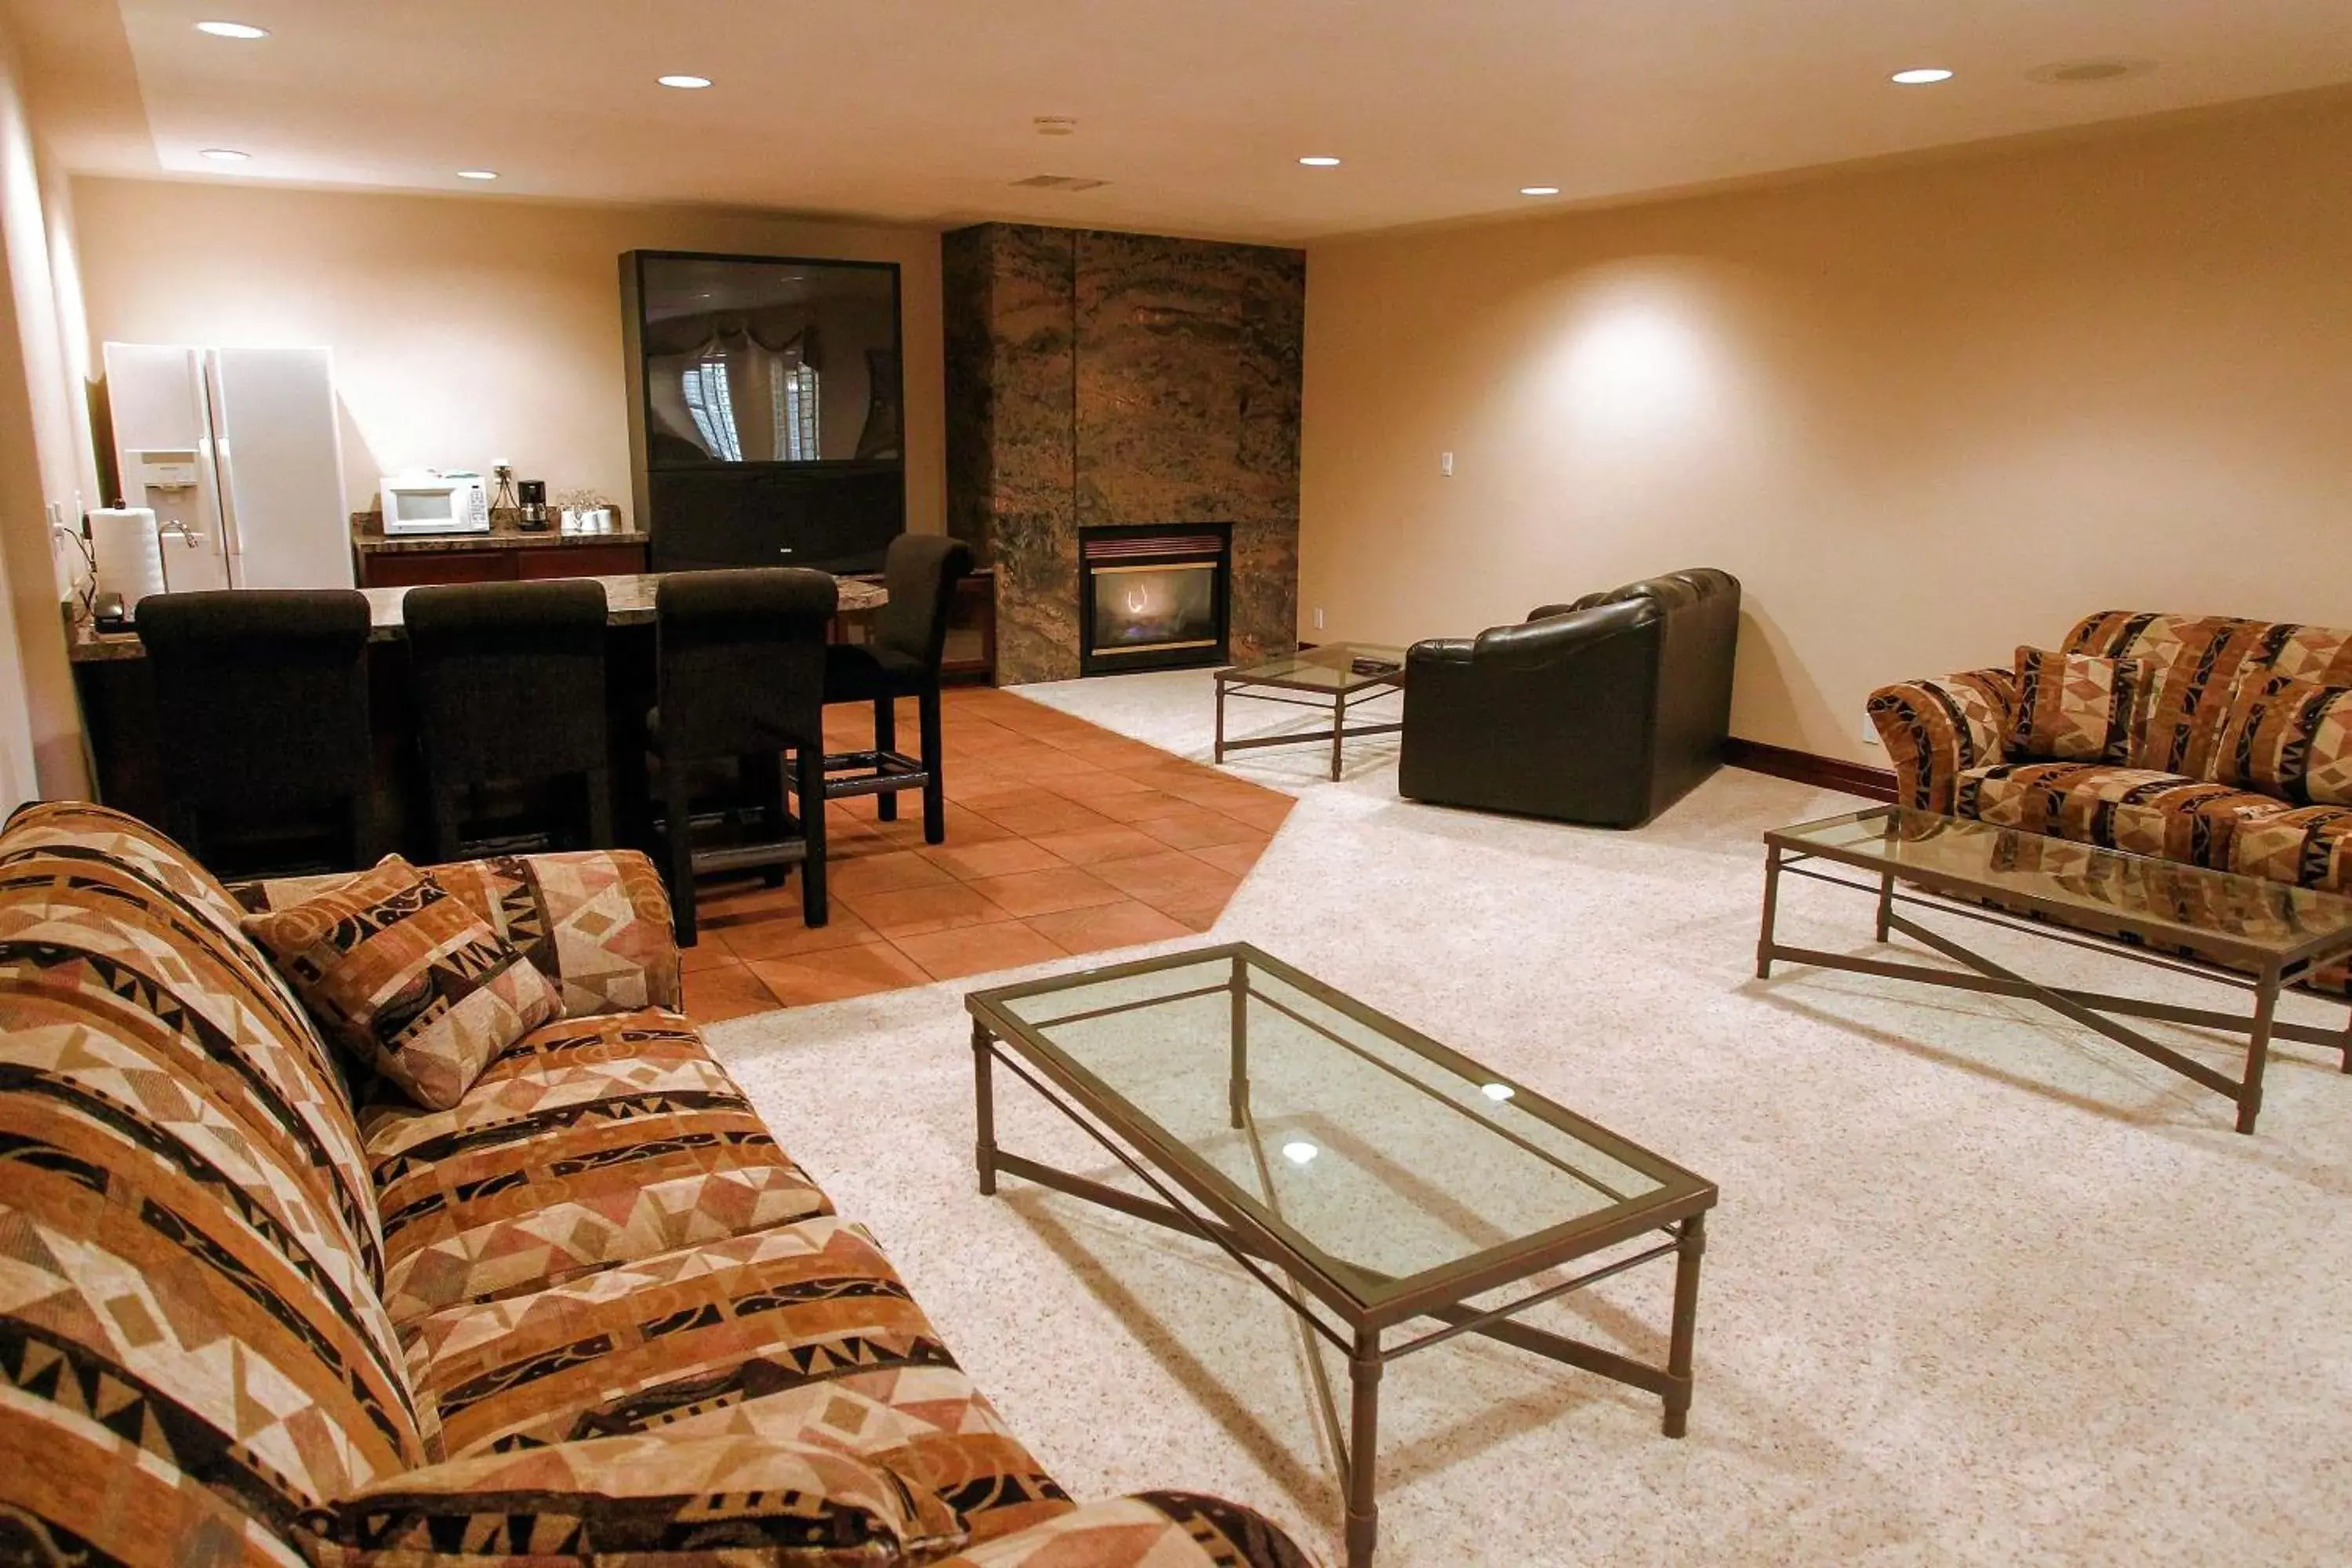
x: 239, y: 453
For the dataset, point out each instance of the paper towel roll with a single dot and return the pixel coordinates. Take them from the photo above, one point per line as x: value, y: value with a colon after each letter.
x: 130, y: 557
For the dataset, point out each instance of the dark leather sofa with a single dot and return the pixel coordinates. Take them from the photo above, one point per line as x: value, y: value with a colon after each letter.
x: 1603, y: 711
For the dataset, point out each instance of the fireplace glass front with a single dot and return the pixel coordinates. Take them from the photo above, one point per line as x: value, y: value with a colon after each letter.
x: 1152, y: 598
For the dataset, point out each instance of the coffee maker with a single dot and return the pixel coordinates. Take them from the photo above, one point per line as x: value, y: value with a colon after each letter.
x: 532, y: 512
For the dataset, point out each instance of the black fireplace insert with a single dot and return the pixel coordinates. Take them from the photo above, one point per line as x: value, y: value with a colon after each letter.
x: 1153, y: 596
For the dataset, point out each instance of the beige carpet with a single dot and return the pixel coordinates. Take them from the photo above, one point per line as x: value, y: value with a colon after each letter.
x: 1981, y: 1287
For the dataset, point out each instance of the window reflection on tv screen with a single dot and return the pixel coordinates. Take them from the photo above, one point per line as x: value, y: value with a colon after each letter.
x: 769, y: 362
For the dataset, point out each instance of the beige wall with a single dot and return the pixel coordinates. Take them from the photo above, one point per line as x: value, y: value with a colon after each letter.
x: 1924, y: 413
x: 465, y: 328
x: 45, y: 460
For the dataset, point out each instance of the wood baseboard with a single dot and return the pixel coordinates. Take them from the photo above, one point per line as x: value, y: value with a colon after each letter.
x: 1807, y: 767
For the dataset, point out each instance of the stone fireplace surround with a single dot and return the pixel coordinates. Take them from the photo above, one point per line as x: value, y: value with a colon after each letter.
x: 1098, y: 379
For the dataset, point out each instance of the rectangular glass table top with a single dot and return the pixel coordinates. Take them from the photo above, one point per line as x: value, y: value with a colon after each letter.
x: 1333, y: 666
x: 1378, y: 1154
x: 2164, y: 900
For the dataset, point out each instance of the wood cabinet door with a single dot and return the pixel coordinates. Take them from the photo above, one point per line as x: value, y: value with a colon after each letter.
x: 378, y: 571
x: 581, y: 561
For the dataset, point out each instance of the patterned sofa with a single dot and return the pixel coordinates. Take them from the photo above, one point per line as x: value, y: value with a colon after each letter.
x: 2162, y: 794
x: 592, y: 1313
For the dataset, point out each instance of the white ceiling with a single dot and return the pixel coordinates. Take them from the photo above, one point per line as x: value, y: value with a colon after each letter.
x: 920, y: 110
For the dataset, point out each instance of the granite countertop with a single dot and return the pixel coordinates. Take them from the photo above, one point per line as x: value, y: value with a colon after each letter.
x: 628, y: 602
x: 368, y: 538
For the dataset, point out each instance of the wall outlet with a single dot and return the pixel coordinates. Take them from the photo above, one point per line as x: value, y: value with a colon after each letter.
x: 1445, y: 464
x: 1319, y: 618
x: 1870, y: 733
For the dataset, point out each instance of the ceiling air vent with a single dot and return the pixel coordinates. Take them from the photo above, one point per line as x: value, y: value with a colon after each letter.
x: 1060, y: 183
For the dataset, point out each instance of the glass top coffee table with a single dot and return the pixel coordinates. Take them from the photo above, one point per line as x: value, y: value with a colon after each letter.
x: 1327, y: 678
x: 1363, y: 1173
x: 2245, y: 931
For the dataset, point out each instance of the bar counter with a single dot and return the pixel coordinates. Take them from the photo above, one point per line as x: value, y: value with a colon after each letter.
x: 117, y: 703
x: 628, y: 602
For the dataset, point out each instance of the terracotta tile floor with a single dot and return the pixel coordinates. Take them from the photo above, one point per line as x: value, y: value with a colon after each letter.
x: 1062, y: 838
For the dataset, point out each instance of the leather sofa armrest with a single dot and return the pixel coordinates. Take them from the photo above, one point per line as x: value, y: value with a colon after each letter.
x: 1164, y: 1530
x: 1437, y: 651
x: 1937, y: 729
x: 1535, y: 643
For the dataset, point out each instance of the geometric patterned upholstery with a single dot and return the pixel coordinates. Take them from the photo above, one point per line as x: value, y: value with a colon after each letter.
x: 2289, y: 738
x: 1948, y: 739
x: 639, y: 1500
x: 192, y: 1350
x: 1936, y: 730
x: 2162, y: 814
x: 699, y: 1342
x: 595, y: 922
x: 1139, y: 1530
x: 590, y: 1311
x: 587, y: 1143
x: 2078, y: 707
x: 406, y: 979
x: 2200, y: 660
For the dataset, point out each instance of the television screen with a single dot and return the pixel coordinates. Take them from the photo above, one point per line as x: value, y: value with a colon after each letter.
x: 761, y: 361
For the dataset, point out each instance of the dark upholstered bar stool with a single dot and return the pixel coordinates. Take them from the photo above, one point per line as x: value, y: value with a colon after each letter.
x: 511, y: 686
x: 261, y: 702
x: 902, y: 659
x: 741, y: 675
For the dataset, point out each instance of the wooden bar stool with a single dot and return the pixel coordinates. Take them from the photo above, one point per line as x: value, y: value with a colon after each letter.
x: 509, y: 686
x: 741, y: 674
x: 261, y: 703
x: 901, y: 660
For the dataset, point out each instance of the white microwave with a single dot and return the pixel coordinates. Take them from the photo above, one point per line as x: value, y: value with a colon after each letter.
x: 435, y: 503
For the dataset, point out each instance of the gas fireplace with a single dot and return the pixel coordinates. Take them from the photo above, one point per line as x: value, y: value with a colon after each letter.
x: 1153, y: 597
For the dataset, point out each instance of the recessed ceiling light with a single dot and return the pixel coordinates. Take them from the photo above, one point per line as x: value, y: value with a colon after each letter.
x: 477, y: 174
x: 1320, y: 163
x: 1496, y: 1090
x: 1299, y: 1154
x: 687, y: 82
x: 226, y: 154
x: 231, y: 29
x: 1538, y: 190
x: 1922, y: 76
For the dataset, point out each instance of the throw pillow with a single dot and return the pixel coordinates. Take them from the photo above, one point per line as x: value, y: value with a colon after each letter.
x: 595, y: 922
x: 2288, y: 738
x: 408, y: 979
x: 2078, y: 707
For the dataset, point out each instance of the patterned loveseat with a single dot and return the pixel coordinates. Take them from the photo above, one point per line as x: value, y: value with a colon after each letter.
x: 591, y: 1314
x: 2162, y: 791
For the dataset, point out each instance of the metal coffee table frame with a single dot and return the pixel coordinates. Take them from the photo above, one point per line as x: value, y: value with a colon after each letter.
x: 1236, y: 1223
x: 2272, y: 969
x: 1250, y: 681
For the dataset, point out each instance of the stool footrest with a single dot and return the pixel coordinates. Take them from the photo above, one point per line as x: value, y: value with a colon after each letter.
x: 872, y: 772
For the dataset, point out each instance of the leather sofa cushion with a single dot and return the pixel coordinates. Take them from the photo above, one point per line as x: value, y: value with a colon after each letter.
x: 802, y: 1332
x: 588, y: 1143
